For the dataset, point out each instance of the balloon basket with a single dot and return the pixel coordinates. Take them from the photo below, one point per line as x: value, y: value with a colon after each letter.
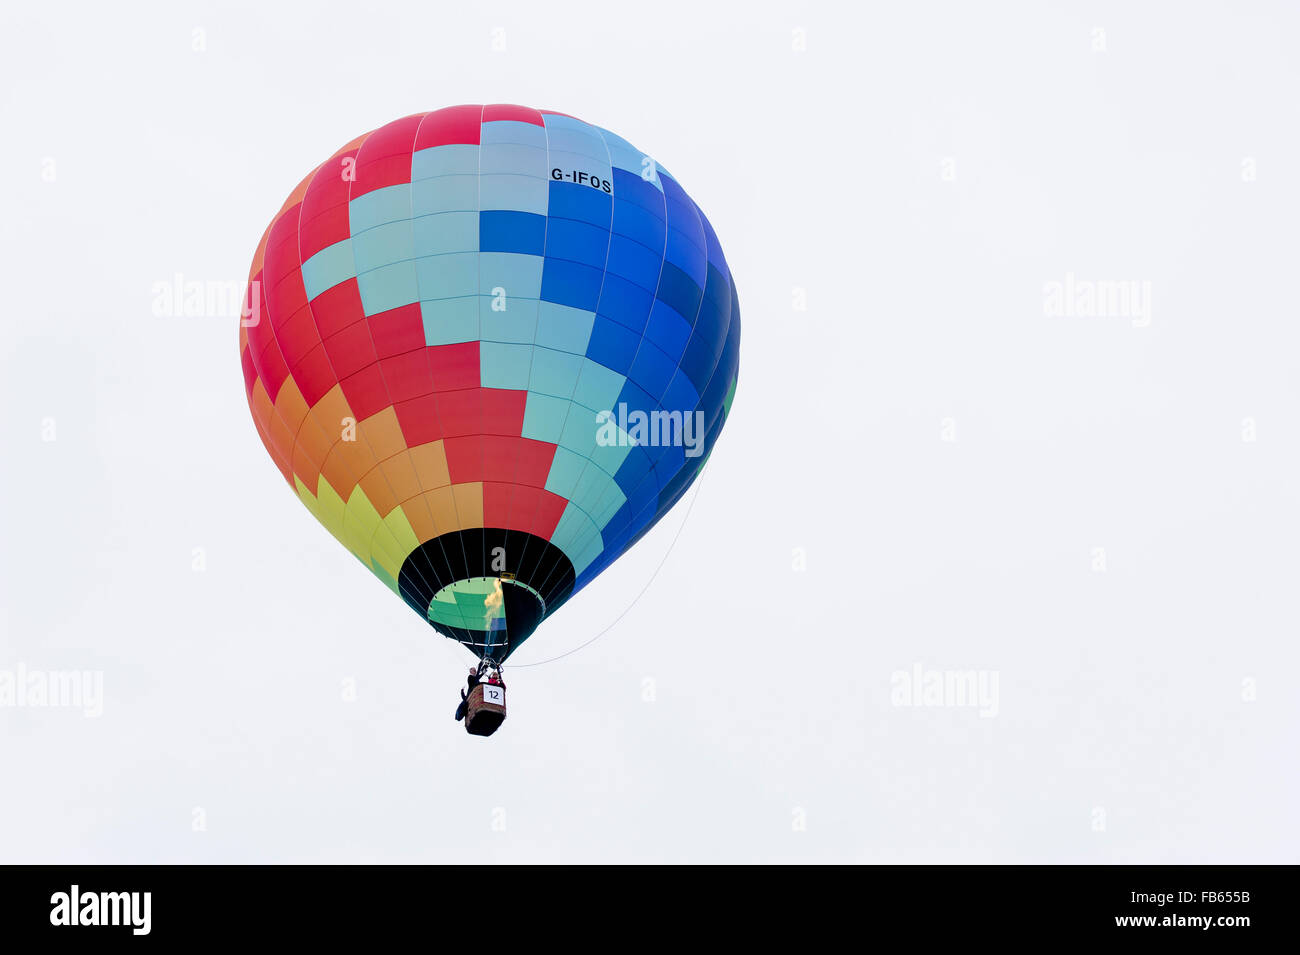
x: 485, y: 709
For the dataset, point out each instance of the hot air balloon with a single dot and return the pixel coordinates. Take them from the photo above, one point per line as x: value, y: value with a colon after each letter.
x: 489, y: 347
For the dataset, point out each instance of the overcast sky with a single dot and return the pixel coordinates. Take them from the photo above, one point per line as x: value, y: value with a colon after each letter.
x: 1017, y: 410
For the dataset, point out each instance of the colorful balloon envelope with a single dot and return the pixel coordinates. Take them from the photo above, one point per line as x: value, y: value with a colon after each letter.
x: 489, y: 347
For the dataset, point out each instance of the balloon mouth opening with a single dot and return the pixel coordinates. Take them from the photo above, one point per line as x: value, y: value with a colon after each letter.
x: 491, y: 615
x: 486, y: 587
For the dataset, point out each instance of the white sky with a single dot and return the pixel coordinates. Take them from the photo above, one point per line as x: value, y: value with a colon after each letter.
x: 1120, y: 693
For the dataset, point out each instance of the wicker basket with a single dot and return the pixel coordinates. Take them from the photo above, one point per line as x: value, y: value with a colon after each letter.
x: 485, y: 709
